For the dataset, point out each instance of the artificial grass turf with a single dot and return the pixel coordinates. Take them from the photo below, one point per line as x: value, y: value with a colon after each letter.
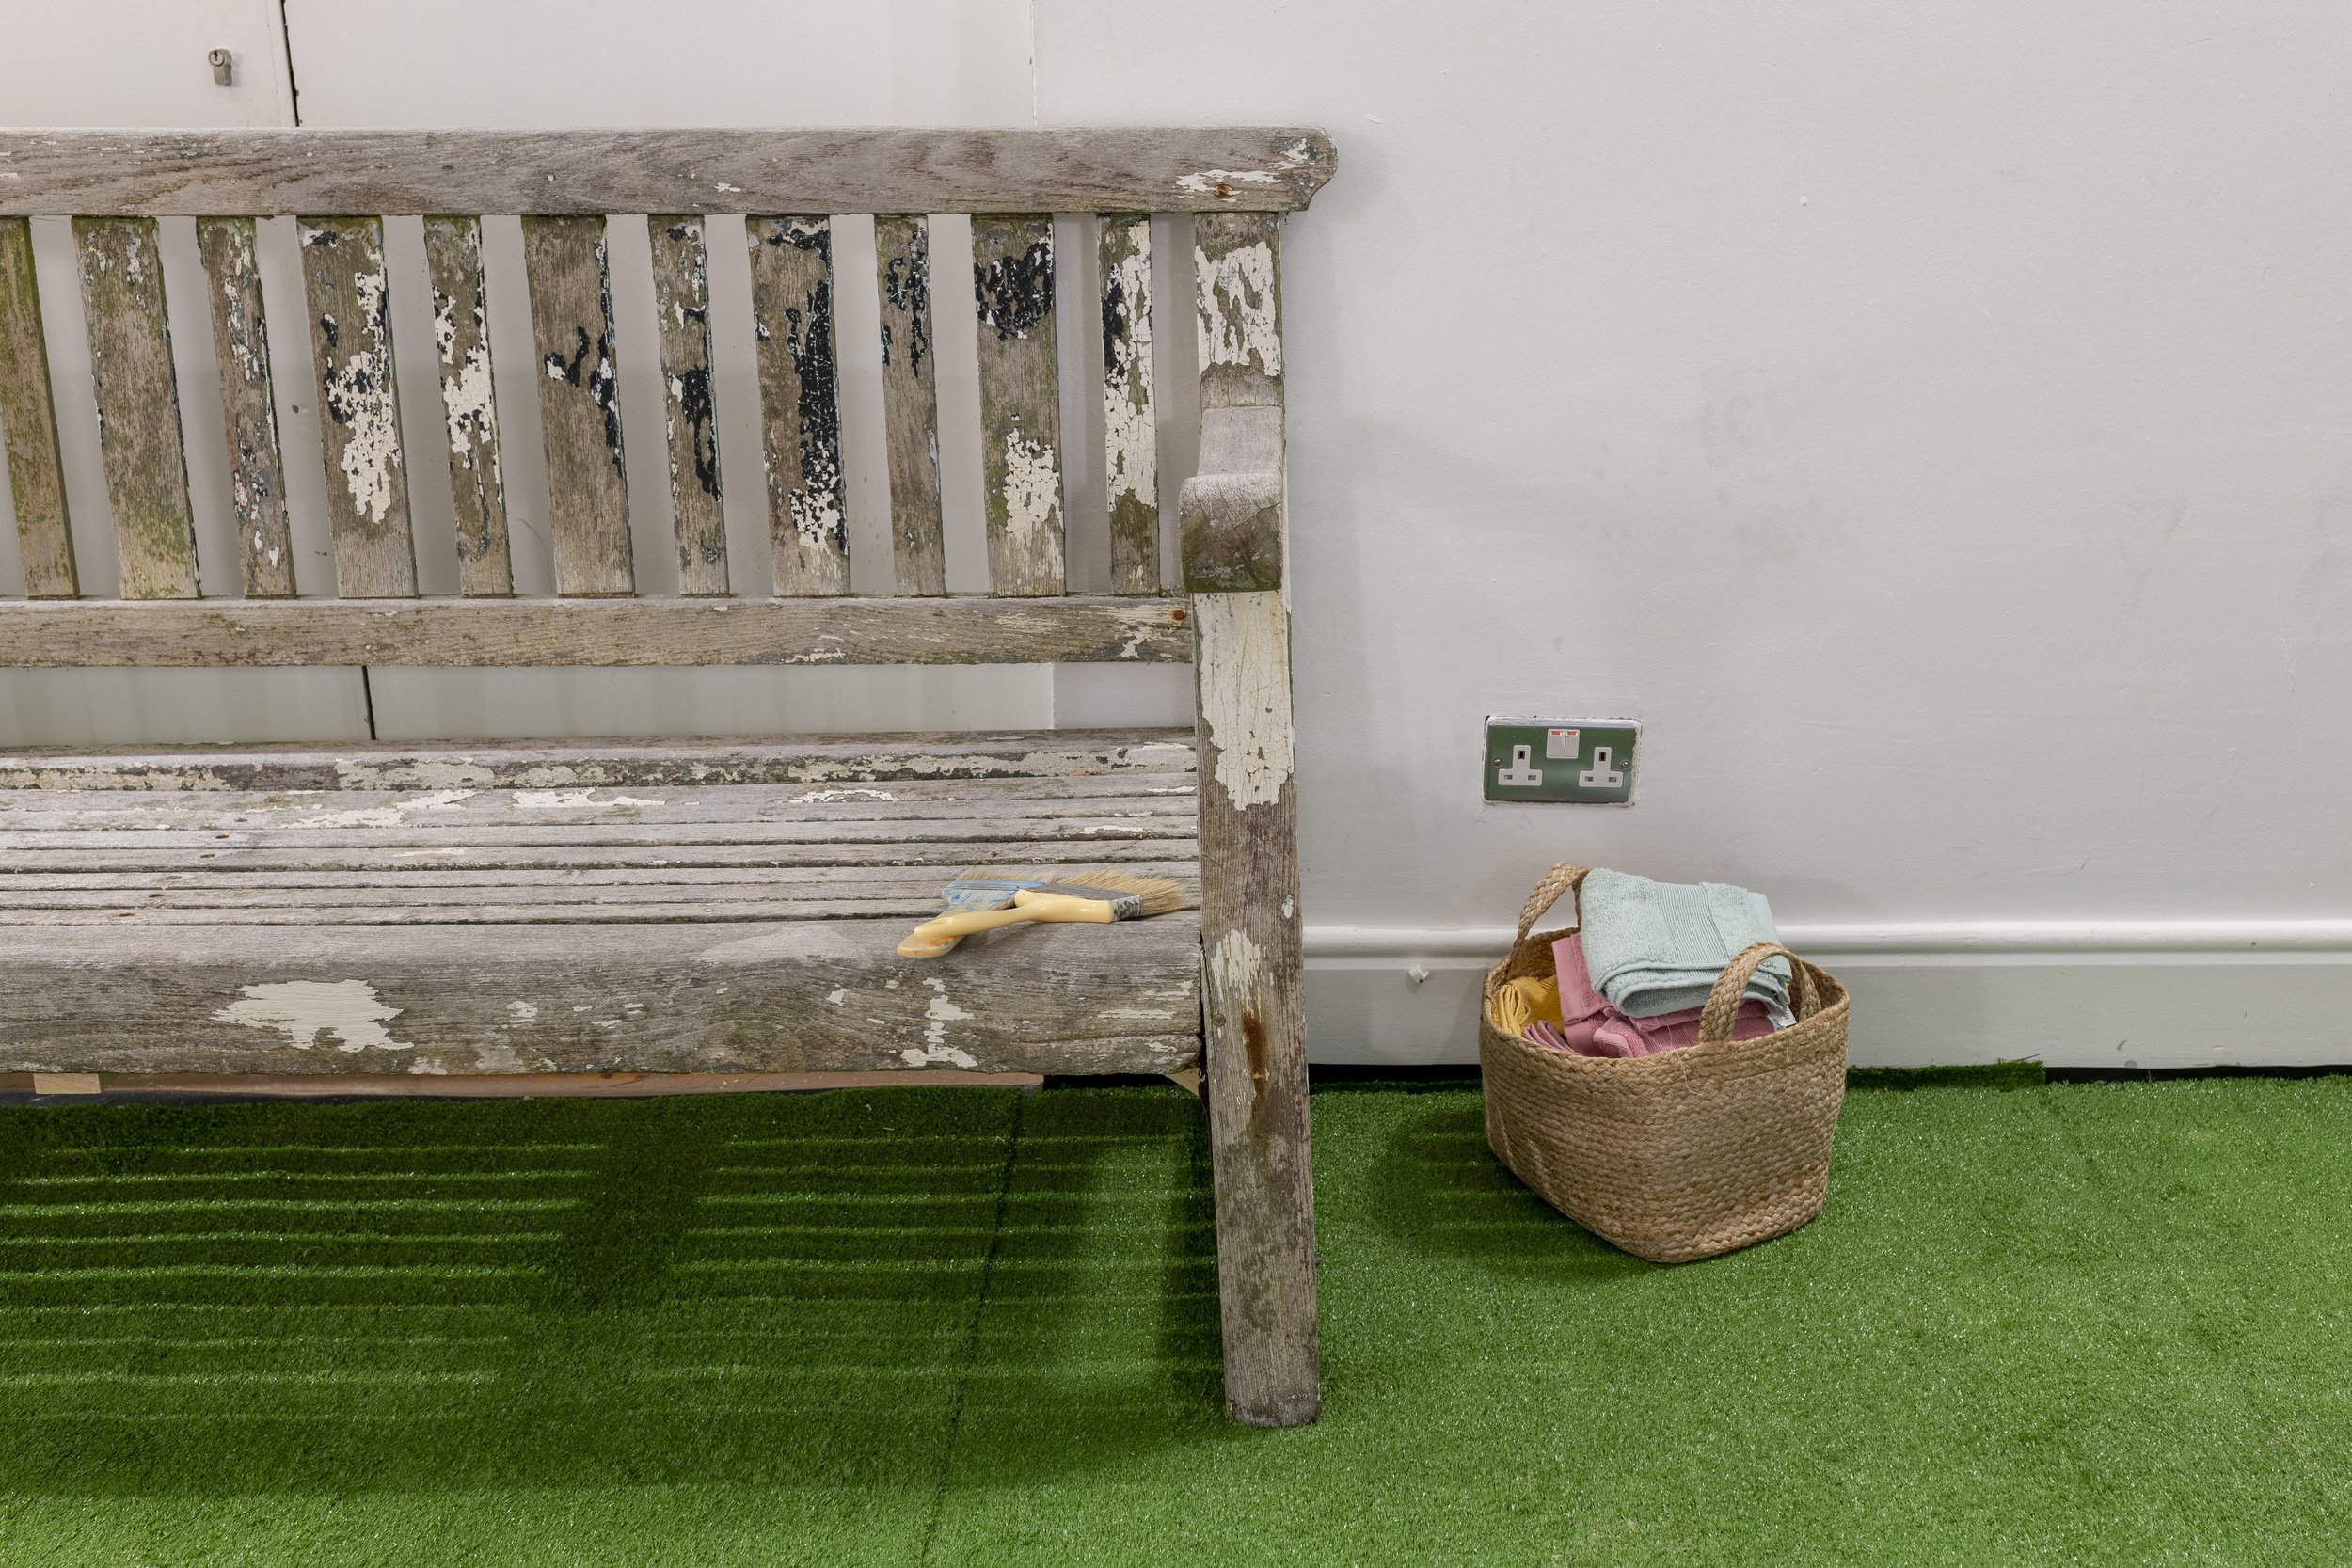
x: 2093, y: 1324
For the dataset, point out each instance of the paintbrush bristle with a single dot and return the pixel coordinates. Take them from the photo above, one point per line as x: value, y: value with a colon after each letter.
x: 1159, y: 895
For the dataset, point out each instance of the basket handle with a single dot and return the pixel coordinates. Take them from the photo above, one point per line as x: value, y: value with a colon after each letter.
x: 1722, y: 1002
x: 1565, y: 878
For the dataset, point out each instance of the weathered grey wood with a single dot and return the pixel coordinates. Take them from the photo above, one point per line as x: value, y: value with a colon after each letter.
x: 139, y: 407
x: 800, y: 394
x: 1254, y: 1077
x: 902, y: 260
x: 937, y: 757
x: 1236, y: 268
x: 461, y: 337
x: 257, y: 474
x: 1013, y: 276
x: 400, y: 828
x: 351, y: 344
x: 579, y: 405
x: 1231, y: 512
x: 1130, y: 427
x: 123, y: 634
x: 408, y: 884
x: 718, y: 170
x: 950, y: 855
x: 28, y: 423
x: 773, y: 995
x: 681, y: 301
x: 1005, y: 800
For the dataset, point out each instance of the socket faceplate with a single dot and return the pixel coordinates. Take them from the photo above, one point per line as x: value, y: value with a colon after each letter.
x: 1563, y: 761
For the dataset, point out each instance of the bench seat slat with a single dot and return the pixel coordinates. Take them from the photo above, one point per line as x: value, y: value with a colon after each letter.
x: 461, y: 337
x: 681, y: 303
x: 28, y: 423
x: 349, y: 294
x: 957, y: 760
x: 461, y: 632
x: 139, y: 407
x: 687, y: 996
x: 1013, y: 278
x: 579, y: 404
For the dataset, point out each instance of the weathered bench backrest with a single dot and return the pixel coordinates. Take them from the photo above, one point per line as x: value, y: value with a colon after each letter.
x: 566, y: 185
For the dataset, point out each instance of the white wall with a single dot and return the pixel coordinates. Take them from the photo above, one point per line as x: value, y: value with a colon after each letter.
x: 1933, y: 424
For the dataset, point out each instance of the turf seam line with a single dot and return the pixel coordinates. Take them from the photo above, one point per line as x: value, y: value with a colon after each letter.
x: 969, y: 1361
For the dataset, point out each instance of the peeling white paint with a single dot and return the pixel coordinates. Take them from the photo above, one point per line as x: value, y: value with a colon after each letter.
x: 466, y: 394
x: 521, y: 1012
x: 1237, y: 314
x: 347, y: 1009
x: 823, y: 797
x: 1236, y: 965
x: 1132, y: 443
x: 1206, y: 181
x: 1245, y: 693
x: 838, y: 996
x: 458, y: 773
x: 358, y: 393
x: 1139, y: 1015
x: 392, y: 816
x: 816, y: 519
x: 933, y: 1055
x: 1032, y: 491
x: 559, y: 800
x: 426, y: 1067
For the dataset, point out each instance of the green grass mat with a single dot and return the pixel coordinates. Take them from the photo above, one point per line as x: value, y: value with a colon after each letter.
x: 2094, y: 1323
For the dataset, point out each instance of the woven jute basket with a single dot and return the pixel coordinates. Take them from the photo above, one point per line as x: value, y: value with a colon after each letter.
x: 1681, y: 1155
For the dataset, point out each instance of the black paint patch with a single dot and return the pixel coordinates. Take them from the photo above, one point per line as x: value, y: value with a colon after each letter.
x: 1118, y: 332
x: 907, y: 285
x: 810, y: 338
x: 1015, y: 293
x: 695, y: 407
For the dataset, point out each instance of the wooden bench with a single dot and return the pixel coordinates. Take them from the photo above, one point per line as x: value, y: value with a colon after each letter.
x: 668, y: 906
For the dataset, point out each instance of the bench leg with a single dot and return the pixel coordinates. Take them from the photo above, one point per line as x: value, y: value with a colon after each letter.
x: 1254, y: 1080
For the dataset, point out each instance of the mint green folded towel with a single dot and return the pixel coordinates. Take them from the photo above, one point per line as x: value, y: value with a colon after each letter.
x: 1657, y: 947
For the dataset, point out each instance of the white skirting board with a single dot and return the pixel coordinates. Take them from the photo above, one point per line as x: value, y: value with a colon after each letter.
x: 2154, y: 995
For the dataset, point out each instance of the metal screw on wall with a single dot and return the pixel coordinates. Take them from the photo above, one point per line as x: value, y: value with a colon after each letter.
x: 220, y: 61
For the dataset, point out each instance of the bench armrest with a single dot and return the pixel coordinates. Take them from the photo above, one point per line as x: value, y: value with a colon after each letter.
x: 1230, y: 514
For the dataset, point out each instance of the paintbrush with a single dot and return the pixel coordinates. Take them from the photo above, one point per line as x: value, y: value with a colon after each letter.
x: 976, y: 903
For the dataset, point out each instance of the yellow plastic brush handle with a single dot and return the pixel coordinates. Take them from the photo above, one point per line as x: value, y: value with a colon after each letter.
x: 934, y: 937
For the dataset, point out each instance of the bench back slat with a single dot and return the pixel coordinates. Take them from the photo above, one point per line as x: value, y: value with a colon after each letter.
x: 1130, y: 428
x: 1013, y: 278
x: 28, y: 419
x: 579, y: 405
x: 139, y: 407
x: 349, y: 296
x: 461, y: 339
x: 903, y: 275
x: 800, y: 392
x: 257, y: 472
x: 681, y: 308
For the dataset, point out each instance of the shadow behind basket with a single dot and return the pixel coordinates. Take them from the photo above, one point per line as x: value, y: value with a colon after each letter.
x: 1681, y: 1155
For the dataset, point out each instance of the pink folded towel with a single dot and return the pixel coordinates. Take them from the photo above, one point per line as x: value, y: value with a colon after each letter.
x: 1589, y: 1027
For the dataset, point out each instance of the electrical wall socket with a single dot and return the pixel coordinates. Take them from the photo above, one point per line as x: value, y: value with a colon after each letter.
x: 1563, y: 761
